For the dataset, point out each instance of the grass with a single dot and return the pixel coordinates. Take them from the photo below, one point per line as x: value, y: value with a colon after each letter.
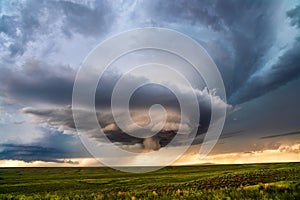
x: 253, y: 181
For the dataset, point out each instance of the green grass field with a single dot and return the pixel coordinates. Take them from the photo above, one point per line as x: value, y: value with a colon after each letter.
x: 254, y: 181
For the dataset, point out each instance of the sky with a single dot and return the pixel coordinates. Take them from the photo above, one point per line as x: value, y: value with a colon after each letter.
x: 254, y: 44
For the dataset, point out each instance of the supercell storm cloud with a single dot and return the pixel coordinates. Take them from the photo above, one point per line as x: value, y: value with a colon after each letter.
x: 255, y: 45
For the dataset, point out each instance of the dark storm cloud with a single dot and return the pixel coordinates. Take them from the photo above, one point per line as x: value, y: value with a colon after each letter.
x: 29, y: 153
x: 54, y: 147
x: 61, y: 119
x: 250, y: 31
x: 37, y: 87
x: 53, y: 117
x: 242, y: 32
x: 38, y: 17
x: 252, y: 26
x: 40, y: 83
x: 245, y: 26
x: 282, y: 72
x: 294, y: 14
x: 245, y: 31
x: 37, y: 82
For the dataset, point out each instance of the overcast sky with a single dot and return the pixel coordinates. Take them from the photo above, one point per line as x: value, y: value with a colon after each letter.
x: 255, y: 45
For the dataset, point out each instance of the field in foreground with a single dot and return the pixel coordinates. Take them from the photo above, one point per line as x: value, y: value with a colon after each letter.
x: 253, y: 181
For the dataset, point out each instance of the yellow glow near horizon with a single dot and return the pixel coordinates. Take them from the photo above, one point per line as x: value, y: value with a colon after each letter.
x: 266, y: 156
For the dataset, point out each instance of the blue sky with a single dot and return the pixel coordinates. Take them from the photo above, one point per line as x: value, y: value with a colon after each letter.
x: 255, y: 45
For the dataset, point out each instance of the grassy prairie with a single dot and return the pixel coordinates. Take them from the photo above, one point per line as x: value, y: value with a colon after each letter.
x: 253, y: 181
